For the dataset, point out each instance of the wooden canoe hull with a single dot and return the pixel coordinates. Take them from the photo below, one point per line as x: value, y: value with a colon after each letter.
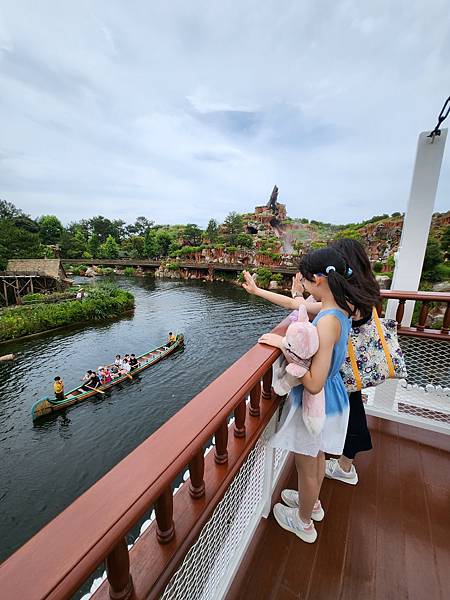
x: 47, y: 406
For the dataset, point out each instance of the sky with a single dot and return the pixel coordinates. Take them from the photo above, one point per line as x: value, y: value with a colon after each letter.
x: 184, y: 111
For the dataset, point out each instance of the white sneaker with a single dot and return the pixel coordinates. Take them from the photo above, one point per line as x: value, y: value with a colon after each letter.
x: 288, y: 519
x: 333, y: 470
x: 290, y: 498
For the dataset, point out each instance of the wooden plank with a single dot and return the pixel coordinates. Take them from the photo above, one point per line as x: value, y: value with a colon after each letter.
x: 360, y: 560
x: 420, y: 573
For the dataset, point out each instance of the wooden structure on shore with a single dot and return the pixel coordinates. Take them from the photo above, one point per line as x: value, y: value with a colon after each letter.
x: 29, y: 276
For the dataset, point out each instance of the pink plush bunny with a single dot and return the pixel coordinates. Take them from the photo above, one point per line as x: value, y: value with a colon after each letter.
x: 300, y: 343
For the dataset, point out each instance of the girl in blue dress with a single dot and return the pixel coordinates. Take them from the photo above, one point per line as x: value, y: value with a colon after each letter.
x: 324, y: 275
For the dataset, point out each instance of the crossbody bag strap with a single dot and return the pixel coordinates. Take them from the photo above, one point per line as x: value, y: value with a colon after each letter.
x: 356, y: 373
x: 384, y: 344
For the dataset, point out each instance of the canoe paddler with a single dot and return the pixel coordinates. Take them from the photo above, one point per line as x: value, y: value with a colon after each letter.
x: 171, y: 338
x: 58, y: 388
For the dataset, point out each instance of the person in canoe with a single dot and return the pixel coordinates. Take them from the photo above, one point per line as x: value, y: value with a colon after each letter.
x: 118, y: 361
x: 58, y: 388
x: 134, y: 363
x: 91, y: 379
x: 125, y: 368
x: 171, y: 338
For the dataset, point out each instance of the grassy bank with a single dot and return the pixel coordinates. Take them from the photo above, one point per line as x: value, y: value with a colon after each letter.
x: 103, y: 302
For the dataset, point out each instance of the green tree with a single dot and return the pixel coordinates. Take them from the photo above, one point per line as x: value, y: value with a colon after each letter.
x: 164, y: 241
x: 433, y: 258
x: 93, y: 246
x: 18, y: 242
x: 50, y: 229
x: 9, y: 211
x: 212, y: 231
x: 134, y: 246
x: 139, y: 227
x: 233, y: 225
x: 72, y: 243
x: 151, y: 248
x: 192, y: 235
x: 110, y: 248
x: 244, y: 240
x: 445, y: 241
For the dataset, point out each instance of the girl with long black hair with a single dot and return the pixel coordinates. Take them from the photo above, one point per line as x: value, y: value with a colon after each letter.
x: 324, y: 275
x: 359, y: 274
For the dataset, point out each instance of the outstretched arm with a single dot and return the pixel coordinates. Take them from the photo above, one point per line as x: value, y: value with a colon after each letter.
x: 250, y: 286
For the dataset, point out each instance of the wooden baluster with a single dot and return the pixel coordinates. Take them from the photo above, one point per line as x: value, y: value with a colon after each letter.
x: 423, y: 315
x: 196, y: 471
x: 255, y: 398
x: 239, y: 419
x: 267, y: 385
x: 164, y: 517
x: 118, y: 572
x: 400, y: 312
x: 446, y: 321
x: 221, y: 437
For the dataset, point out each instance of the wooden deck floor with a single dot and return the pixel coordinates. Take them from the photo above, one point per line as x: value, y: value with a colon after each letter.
x: 386, y: 538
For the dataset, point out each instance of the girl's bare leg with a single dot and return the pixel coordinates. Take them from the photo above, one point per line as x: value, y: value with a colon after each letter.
x: 310, y: 471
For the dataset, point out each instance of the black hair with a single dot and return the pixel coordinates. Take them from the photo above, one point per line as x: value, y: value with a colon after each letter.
x: 117, y: 355
x: 357, y: 260
x: 346, y: 295
x: 57, y: 378
x: 133, y: 355
x: 89, y: 371
x: 170, y: 333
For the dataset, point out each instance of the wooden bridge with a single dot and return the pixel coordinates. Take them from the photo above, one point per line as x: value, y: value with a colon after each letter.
x: 145, y: 263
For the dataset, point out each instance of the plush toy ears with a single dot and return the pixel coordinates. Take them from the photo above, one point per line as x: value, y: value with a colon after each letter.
x: 302, y: 314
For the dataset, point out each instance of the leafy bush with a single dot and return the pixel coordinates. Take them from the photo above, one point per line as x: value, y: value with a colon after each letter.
x: 128, y: 272
x: 103, y: 301
x: 278, y: 277
x: 378, y: 266
x: 172, y: 267
x: 264, y: 276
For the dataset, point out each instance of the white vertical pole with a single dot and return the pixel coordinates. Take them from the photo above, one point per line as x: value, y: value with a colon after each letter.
x: 416, y: 225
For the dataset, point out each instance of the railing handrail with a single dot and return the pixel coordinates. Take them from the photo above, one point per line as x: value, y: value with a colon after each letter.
x: 418, y: 296
x: 115, y: 503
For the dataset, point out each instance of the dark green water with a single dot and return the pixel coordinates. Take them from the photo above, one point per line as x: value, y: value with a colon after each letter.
x: 44, y: 467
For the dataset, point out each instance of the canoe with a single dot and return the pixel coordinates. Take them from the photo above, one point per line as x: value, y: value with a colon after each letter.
x: 47, y: 406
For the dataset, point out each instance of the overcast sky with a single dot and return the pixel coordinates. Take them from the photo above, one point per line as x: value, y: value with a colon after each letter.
x: 182, y: 111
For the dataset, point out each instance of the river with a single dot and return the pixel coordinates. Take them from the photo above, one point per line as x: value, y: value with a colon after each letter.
x: 45, y: 466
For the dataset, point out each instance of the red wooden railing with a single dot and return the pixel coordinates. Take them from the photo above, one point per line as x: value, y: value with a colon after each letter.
x: 60, y: 558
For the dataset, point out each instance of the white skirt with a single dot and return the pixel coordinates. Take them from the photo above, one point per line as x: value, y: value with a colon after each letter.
x: 293, y: 435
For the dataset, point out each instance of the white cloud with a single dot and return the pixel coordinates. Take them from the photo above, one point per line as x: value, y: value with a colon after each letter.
x: 185, y: 111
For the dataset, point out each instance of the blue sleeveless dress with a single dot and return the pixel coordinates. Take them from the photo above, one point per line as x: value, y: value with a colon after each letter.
x: 292, y: 434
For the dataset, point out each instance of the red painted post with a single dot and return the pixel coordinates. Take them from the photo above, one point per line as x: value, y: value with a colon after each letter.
x: 423, y: 316
x: 239, y: 419
x: 267, y: 385
x: 400, y: 312
x: 221, y: 437
x: 255, y: 398
x: 164, y: 517
x: 118, y: 572
x: 446, y: 321
x: 196, y: 471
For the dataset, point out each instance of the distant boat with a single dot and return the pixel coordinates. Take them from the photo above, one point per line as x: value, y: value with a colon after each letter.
x: 47, y: 406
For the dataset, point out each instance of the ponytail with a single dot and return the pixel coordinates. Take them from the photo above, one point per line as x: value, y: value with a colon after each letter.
x: 329, y: 263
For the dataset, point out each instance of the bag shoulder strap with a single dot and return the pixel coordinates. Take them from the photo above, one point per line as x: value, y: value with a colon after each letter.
x: 390, y: 364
